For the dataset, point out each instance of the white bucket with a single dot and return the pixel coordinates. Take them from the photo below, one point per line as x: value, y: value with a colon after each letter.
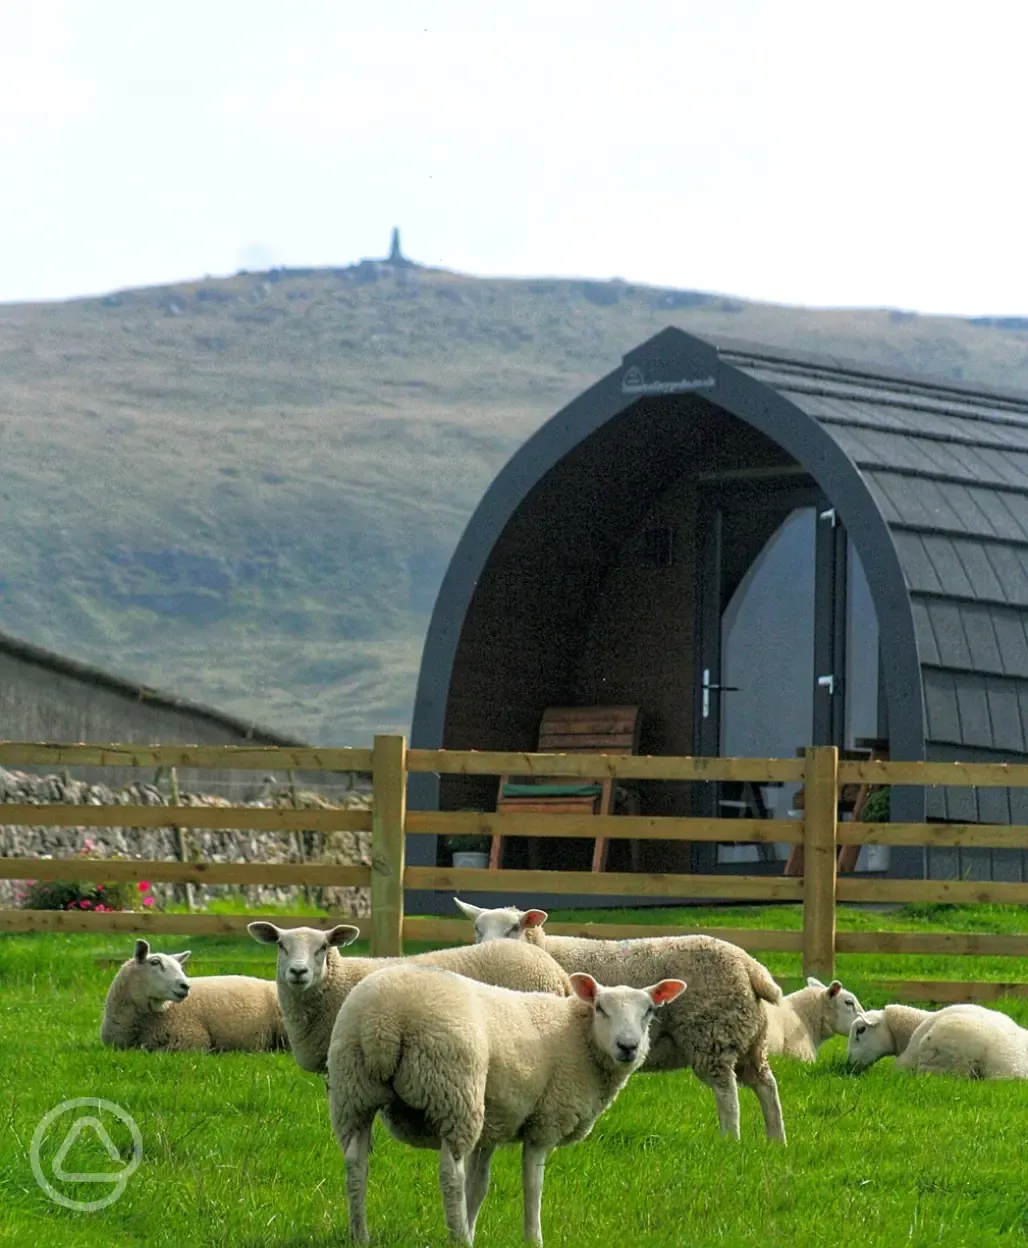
x: 470, y: 858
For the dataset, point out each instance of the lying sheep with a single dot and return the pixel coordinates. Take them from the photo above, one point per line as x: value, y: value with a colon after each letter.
x: 800, y: 1023
x: 968, y: 1040
x: 717, y: 1028
x: 882, y: 1033
x: 153, y: 1005
x: 314, y: 980
x: 465, y: 1067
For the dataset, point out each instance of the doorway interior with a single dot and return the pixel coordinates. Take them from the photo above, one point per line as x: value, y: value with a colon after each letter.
x: 788, y: 650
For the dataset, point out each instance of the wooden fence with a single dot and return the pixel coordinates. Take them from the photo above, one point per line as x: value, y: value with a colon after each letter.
x: 391, y: 761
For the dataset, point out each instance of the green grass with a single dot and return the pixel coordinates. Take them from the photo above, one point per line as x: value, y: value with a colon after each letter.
x: 238, y: 1150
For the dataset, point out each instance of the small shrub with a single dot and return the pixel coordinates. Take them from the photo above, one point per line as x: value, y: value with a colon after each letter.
x: 79, y: 895
x: 473, y: 844
x: 876, y: 808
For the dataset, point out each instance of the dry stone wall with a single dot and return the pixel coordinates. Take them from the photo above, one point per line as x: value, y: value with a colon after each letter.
x: 206, y: 845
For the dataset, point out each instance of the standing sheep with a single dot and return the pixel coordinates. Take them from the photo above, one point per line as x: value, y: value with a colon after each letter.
x: 717, y: 1028
x: 314, y: 980
x: 968, y: 1040
x: 151, y: 1004
x: 464, y: 1067
x: 881, y: 1033
x: 801, y: 1022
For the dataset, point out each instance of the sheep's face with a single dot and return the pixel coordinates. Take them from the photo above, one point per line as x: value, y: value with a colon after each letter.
x: 505, y: 923
x: 842, y: 1007
x: 302, y: 951
x: 621, y: 1016
x: 159, y: 976
x: 869, y: 1039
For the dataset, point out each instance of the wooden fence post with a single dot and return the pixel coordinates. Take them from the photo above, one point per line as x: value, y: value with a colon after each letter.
x: 181, y: 841
x: 821, y: 813
x: 388, y: 824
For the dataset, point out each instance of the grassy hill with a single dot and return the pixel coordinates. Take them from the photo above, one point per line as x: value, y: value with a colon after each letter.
x: 247, y: 490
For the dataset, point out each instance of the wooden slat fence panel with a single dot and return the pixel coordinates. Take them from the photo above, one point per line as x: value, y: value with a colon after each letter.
x: 390, y: 823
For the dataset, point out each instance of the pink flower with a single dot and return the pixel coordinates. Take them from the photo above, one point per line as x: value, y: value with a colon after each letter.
x: 143, y: 886
x: 99, y: 888
x: 88, y: 846
x: 85, y: 905
x: 147, y: 901
x: 69, y: 905
x: 100, y: 908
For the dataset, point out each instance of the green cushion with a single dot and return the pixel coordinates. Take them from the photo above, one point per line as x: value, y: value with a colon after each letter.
x: 552, y: 790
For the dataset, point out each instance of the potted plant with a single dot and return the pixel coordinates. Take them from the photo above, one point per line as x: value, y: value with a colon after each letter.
x: 877, y: 810
x: 469, y: 850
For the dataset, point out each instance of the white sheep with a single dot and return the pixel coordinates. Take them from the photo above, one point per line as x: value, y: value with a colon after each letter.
x: 314, y: 980
x: 464, y: 1067
x: 152, y: 1004
x: 883, y: 1033
x: 800, y: 1023
x: 717, y: 1028
x: 968, y: 1040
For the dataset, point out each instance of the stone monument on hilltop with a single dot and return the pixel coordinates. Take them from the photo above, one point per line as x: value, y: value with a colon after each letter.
x: 396, y: 257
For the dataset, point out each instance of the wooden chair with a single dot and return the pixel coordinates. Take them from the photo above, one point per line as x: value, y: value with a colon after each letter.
x: 574, y: 730
x: 852, y: 800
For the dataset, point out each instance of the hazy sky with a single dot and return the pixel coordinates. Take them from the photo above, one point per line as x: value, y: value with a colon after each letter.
x: 800, y: 151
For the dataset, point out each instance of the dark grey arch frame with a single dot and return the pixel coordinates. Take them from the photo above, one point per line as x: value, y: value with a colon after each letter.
x: 771, y: 414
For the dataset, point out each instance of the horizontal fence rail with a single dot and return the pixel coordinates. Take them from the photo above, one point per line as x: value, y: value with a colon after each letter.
x: 390, y: 762
x: 246, y: 818
x: 628, y: 827
x: 222, y: 757
x: 593, y: 766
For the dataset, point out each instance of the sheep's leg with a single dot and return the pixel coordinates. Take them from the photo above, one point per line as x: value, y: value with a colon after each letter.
x: 355, y: 1150
x: 477, y: 1185
x: 726, y: 1093
x: 761, y: 1079
x: 453, y: 1181
x: 533, y: 1167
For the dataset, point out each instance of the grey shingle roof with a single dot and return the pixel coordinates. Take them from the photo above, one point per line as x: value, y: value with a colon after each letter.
x: 948, y: 467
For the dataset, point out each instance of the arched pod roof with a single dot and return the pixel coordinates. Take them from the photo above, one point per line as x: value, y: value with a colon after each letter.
x: 930, y: 479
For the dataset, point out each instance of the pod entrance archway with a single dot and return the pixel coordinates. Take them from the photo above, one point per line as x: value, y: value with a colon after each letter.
x: 771, y: 653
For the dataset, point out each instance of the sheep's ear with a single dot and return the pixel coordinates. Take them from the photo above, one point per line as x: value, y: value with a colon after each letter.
x: 584, y: 986
x: 266, y: 933
x: 814, y: 982
x: 182, y: 958
x: 142, y: 950
x: 834, y: 988
x: 533, y: 918
x: 343, y: 935
x: 666, y: 991
x: 467, y: 909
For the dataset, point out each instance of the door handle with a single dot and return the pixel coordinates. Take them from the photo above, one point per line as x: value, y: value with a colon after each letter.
x: 708, y: 685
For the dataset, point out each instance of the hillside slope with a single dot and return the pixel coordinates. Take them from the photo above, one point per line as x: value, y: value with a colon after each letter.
x: 246, y: 490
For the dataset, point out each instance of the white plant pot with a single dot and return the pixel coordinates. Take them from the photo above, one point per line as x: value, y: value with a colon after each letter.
x: 470, y: 858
